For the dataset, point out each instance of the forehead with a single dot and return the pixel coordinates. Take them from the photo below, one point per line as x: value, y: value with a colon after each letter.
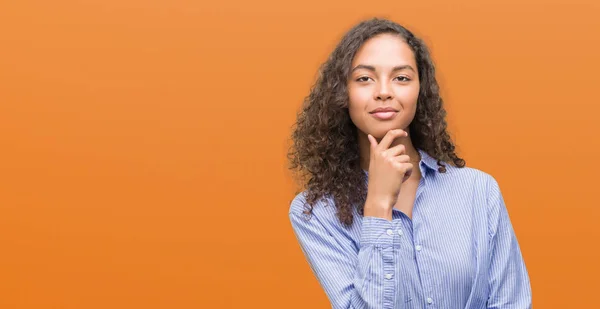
x: 384, y: 50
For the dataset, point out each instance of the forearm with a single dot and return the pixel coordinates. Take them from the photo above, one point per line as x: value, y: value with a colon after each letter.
x: 352, y: 279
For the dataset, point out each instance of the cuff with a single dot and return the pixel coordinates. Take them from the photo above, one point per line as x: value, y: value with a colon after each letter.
x: 376, y: 231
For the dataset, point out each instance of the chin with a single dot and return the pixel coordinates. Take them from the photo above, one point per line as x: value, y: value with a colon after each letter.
x: 380, y: 130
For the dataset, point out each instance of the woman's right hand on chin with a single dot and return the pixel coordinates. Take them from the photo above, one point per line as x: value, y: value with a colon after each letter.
x: 388, y: 169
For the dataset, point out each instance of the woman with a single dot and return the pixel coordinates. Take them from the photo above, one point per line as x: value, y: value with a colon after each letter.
x: 391, y: 217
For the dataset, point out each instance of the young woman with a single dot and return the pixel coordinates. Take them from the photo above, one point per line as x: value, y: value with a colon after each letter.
x: 391, y: 217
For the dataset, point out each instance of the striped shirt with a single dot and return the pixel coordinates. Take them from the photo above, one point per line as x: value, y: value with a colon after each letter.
x: 458, y: 251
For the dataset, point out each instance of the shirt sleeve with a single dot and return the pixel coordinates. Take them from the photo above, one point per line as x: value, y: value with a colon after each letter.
x: 508, y: 278
x: 360, y: 278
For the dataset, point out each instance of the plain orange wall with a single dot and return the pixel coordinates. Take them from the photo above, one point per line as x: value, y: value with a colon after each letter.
x: 142, y: 143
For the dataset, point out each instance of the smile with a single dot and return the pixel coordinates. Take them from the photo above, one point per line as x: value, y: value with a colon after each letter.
x: 384, y: 115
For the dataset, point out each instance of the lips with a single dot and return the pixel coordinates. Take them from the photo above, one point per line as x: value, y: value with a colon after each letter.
x: 383, y: 110
x: 384, y: 115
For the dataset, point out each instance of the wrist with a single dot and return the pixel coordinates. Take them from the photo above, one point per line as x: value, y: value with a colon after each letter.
x: 381, y: 208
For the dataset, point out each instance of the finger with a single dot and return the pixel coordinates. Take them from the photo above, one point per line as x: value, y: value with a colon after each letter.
x: 372, y: 141
x: 407, y: 168
x: 402, y: 159
x: 389, y: 137
x: 407, y: 175
x: 396, y: 150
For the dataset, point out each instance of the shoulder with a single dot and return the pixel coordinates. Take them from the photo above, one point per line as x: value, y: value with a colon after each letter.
x: 470, y: 176
x: 467, y: 172
x: 323, y: 207
x: 299, y: 204
x: 482, y: 180
x: 484, y: 192
x: 477, y: 182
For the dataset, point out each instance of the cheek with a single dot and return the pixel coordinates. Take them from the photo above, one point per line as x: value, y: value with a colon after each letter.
x: 409, y: 97
x: 357, y: 99
x: 356, y: 107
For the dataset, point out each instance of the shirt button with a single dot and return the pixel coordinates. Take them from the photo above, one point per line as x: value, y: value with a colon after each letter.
x: 400, y: 232
x: 388, y: 276
x: 429, y: 300
x: 390, y: 232
x: 418, y: 248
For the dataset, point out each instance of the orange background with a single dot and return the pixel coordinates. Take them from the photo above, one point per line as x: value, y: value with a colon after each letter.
x: 142, y: 159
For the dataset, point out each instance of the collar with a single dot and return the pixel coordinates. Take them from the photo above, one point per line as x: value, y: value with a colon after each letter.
x: 428, y: 160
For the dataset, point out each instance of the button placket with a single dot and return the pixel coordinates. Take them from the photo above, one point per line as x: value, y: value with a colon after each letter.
x: 389, y: 268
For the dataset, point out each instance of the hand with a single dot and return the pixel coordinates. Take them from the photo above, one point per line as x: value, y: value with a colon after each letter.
x: 388, y: 169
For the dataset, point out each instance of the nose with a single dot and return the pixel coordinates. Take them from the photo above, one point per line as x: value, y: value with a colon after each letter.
x: 383, y: 92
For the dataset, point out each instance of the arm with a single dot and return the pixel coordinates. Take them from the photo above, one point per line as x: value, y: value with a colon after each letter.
x: 351, y: 279
x: 508, y: 278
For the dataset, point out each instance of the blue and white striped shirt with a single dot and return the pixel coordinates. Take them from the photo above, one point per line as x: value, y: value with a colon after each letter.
x: 458, y: 251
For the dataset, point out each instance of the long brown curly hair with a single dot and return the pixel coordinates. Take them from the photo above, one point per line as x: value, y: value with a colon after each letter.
x: 325, y: 151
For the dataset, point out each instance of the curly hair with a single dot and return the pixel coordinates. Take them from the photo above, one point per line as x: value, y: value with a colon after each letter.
x: 325, y: 151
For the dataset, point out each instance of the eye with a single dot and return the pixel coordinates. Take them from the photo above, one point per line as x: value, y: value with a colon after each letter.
x: 403, y: 78
x: 363, y: 79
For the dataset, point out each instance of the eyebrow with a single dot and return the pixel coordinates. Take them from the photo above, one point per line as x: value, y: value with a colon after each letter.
x: 372, y: 68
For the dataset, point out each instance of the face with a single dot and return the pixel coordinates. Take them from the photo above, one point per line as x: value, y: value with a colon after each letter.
x: 383, y: 86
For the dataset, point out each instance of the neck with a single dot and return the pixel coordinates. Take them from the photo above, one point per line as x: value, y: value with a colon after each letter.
x: 365, y: 150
